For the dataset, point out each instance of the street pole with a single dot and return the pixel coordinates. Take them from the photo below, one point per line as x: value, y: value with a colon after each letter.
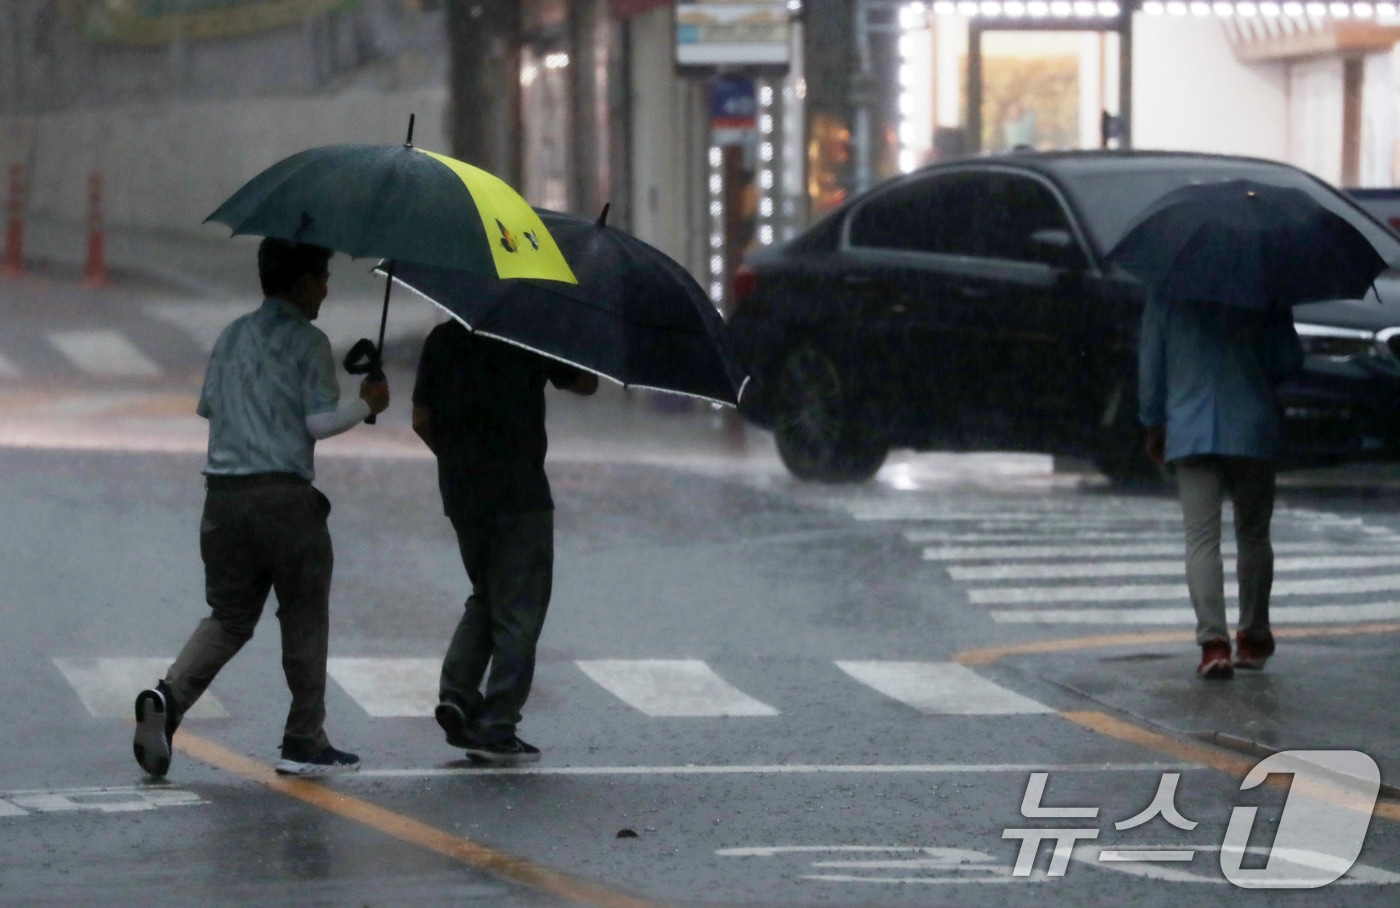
x: 861, y: 97
x: 1125, y: 73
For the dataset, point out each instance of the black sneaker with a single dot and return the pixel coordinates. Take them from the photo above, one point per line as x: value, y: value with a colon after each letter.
x: 155, y: 727
x: 510, y: 752
x: 296, y: 761
x: 453, y: 720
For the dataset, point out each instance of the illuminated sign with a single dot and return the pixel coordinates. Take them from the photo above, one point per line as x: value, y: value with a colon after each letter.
x: 724, y: 33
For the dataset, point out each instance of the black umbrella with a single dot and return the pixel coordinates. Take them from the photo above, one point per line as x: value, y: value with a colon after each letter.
x: 635, y: 316
x: 1249, y: 244
x: 395, y: 202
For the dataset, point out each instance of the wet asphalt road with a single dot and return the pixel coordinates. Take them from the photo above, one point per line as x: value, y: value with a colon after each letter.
x: 839, y: 794
x: 792, y: 694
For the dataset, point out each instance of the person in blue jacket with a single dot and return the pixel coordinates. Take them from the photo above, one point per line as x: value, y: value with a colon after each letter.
x: 1206, y: 385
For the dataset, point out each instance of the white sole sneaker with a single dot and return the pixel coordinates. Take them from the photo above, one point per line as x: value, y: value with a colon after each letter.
x: 151, y: 746
x: 293, y: 768
x: 329, y: 762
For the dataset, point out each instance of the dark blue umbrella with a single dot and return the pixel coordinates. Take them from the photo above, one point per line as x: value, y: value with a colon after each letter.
x: 1243, y: 243
x: 635, y: 316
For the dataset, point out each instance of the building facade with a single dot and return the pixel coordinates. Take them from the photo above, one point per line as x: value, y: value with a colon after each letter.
x: 707, y: 135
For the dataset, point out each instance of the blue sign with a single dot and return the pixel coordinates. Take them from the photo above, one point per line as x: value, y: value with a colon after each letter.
x: 733, y: 103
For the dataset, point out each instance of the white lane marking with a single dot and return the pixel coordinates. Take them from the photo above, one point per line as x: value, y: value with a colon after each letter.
x: 1155, y: 568
x: 103, y: 353
x: 941, y: 688
x: 203, y: 321
x: 108, y: 687
x: 909, y: 508
x: 1014, y: 552
x: 1383, y: 583
x: 779, y: 769
x: 1357, y: 875
x: 672, y: 687
x: 8, y: 369
x: 1031, y: 521
x: 121, y: 799
x: 387, y: 687
x: 1278, y: 614
x: 943, y: 536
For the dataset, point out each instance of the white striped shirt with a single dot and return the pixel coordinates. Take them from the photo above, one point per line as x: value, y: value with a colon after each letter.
x: 270, y: 369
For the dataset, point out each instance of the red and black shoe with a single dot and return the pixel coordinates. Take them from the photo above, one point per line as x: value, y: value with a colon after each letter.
x: 1215, y: 661
x: 1252, y: 652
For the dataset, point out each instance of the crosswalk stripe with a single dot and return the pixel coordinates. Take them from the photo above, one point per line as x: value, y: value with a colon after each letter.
x: 1337, y: 586
x: 672, y: 687
x: 1014, y: 552
x: 941, y: 688
x: 1012, y: 521
x: 1043, y: 571
x: 941, y: 536
x: 1286, y: 614
x: 103, y: 353
x: 108, y: 687
x: 386, y: 687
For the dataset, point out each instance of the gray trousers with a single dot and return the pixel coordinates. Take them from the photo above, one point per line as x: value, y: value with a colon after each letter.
x: 510, y: 562
x: 1202, y: 483
x: 254, y: 541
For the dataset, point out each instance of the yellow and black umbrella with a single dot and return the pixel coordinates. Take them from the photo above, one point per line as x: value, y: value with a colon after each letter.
x: 400, y: 203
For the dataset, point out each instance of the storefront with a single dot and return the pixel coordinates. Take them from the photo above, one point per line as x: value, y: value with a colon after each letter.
x: 1314, y: 84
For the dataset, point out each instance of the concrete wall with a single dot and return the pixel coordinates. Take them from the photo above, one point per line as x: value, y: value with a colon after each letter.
x: 1191, y: 94
x: 169, y: 165
x: 667, y: 144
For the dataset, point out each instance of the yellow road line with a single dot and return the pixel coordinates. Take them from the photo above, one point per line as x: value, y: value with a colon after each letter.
x: 993, y: 654
x: 407, y: 829
x: 1228, y: 763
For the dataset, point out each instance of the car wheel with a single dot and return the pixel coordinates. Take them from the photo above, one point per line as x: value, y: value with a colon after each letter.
x: 1119, y: 452
x: 820, y: 430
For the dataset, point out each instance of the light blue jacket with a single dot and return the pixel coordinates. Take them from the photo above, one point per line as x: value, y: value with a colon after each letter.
x: 1207, y: 372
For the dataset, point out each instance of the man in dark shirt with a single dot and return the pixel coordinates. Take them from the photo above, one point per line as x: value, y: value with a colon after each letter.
x: 478, y: 404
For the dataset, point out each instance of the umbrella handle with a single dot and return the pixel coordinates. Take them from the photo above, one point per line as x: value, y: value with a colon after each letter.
x: 363, y: 359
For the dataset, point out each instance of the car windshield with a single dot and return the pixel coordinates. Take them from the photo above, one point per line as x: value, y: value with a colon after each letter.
x: 1111, y: 201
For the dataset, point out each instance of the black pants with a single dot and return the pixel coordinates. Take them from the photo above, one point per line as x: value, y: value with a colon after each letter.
x: 254, y: 541
x: 510, y: 562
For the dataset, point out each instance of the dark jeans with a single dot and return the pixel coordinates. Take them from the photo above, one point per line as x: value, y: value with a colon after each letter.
x: 254, y: 541
x: 510, y: 562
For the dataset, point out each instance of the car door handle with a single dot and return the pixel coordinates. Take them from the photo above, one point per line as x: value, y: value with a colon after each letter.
x: 858, y: 279
x: 973, y: 291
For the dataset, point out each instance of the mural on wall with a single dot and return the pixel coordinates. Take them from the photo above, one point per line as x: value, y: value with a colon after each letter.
x: 159, y: 21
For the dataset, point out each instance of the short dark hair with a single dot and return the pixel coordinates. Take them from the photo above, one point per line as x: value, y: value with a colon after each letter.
x: 281, y: 262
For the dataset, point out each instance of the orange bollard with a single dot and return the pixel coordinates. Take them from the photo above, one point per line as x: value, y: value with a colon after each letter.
x: 14, y: 227
x: 95, y: 274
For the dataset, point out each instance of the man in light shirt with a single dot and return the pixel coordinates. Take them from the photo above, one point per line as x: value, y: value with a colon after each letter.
x: 269, y: 394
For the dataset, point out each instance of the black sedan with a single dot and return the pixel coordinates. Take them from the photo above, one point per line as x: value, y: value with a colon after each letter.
x: 967, y: 306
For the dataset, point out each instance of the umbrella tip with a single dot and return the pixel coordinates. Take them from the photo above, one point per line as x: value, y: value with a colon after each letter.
x: 603, y: 218
x: 408, y: 142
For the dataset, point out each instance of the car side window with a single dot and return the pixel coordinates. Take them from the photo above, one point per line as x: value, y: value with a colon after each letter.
x: 1024, y: 222
x: 935, y: 215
